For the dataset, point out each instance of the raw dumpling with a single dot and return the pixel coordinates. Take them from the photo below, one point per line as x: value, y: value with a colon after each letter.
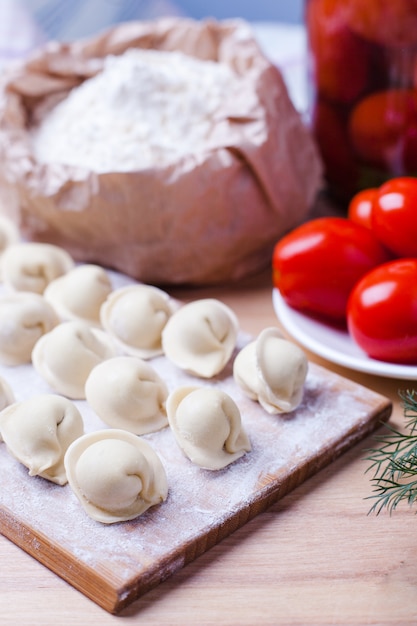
x: 272, y: 370
x: 200, y: 337
x: 65, y: 356
x: 38, y: 431
x: 79, y: 294
x: 135, y: 317
x: 115, y: 475
x: 9, y: 235
x: 126, y: 392
x: 24, y: 318
x: 6, y: 395
x: 32, y: 266
x: 207, y: 426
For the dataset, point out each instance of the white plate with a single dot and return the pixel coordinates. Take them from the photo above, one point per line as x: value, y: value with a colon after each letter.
x: 334, y: 345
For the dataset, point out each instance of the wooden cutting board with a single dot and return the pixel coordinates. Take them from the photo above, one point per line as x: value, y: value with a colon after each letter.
x: 114, y: 565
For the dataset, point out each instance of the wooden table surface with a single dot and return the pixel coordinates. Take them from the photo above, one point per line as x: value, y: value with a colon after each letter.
x: 316, y: 557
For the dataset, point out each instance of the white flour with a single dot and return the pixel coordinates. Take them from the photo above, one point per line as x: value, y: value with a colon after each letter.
x: 146, y: 107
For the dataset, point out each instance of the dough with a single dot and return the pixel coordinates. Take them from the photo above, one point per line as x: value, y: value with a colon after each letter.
x: 24, y: 318
x: 38, y: 431
x: 135, y: 317
x: 79, y: 294
x: 65, y: 356
x: 127, y: 393
x: 207, y: 426
x: 200, y: 337
x: 115, y: 475
x: 272, y: 370
x: 32, y: 266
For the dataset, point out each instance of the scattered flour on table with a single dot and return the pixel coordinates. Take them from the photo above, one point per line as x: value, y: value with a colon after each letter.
x: 145, y: 107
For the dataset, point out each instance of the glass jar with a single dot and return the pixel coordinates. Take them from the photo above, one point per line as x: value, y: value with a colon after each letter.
x: 362, y: 75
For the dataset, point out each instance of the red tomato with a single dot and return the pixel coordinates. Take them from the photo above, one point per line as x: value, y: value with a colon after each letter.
x: 317, y: 264
x: 382, y: 312
x: 340, y: 58
x: 329, y: 130
x: 394, y: 216
x: 389, y: 22
x: 360, y: 207
x: 409, y: 149
x: 381, y: 128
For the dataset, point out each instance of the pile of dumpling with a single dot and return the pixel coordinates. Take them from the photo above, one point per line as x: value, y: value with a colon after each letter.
x: 91, y: 341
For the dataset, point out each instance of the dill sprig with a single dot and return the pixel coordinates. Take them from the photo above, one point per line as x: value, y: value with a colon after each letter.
x: 394, y: 463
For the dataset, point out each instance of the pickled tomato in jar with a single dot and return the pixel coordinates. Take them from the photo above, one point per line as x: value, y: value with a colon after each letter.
x: 363, y: 90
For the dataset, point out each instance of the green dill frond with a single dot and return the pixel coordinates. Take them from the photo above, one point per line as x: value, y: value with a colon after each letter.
x: 409, y: 404
x: 394, y: 462
x: 389, y: 493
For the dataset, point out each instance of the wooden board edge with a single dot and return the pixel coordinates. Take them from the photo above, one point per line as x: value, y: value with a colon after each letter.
x: 96, y: 585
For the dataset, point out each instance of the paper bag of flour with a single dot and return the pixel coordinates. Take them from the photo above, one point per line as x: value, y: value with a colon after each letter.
x: 203, y: 202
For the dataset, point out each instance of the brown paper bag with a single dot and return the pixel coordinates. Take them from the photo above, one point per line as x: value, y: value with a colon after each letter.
x: 208, y: 218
